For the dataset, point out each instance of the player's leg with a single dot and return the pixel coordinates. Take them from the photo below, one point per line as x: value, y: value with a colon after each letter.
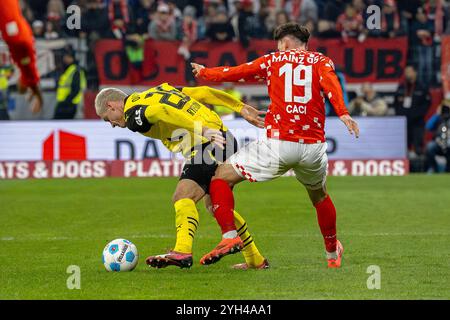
x: 252, y: 256
x: 185, y: 197
x: 222, y: 198
x: 311, y: 172
x: 257, y: 161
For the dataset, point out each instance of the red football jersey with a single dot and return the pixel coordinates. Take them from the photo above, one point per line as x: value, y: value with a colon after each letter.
x: 298, y: 81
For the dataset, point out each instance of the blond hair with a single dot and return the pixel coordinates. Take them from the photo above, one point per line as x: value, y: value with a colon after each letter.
x: 106, y: 95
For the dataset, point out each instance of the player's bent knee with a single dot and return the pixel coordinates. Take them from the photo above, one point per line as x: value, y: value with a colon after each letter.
x: 317, y: 195
x: 227, y: 173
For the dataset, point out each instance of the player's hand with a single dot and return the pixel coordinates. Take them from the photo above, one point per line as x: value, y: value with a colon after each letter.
x: 351, y: 124
x: 196, y: 68
x: 253, y: 115
x: 215, y: 136
x: 36, y: 99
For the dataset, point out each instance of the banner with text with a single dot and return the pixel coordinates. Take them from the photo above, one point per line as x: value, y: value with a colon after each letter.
x: 376, y: 60
x: 170, y: 168
x: 380, y: 139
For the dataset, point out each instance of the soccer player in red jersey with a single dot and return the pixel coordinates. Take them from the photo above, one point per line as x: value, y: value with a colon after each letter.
x: 297, y: 81
x: 17, y: 34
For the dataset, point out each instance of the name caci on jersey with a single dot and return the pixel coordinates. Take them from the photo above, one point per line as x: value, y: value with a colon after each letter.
x: 297, y: 81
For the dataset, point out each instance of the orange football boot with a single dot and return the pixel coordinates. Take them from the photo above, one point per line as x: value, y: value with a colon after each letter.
x: 225, y: 247
x: 245, y: 266
x: 336, y: 263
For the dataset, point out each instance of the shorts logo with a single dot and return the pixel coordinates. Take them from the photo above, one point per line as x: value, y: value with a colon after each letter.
x: 138, y: 117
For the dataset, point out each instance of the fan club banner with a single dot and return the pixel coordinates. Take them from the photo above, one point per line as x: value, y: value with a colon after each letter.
x: 170, y: 168
x: 375, y: 60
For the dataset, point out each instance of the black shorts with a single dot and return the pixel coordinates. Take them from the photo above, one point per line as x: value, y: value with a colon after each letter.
x: 204, y: 159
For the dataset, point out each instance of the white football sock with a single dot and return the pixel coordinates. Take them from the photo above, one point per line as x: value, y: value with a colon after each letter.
x: 230, y: 234
x: 332, y: 255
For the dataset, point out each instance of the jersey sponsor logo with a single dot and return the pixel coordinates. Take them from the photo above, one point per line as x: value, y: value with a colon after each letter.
x: 295, y: 109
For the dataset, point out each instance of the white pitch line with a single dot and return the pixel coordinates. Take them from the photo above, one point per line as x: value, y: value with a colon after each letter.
x: 260, y: 236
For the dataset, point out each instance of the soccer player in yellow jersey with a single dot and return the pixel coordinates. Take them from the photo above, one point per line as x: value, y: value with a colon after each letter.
x: 179, y: 118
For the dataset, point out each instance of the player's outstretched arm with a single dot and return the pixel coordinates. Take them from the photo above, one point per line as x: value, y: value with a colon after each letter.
x: 351, y: 124
x: 251, y: 71
x: 213, y: 96
x: 208, y: 95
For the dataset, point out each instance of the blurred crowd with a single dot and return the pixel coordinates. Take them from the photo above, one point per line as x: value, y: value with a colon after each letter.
x: 423, y: 22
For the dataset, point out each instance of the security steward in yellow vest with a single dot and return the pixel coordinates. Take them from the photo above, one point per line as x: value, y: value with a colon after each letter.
x: 5, y: 73
x: 70, y: 89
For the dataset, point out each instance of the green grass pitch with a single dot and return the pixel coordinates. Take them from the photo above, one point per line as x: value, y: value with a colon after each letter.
x: 401, y: 224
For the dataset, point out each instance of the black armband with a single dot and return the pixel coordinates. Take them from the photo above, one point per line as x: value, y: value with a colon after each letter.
x: 136, y: 120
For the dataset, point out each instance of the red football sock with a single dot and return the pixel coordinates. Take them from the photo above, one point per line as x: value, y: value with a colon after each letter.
x: 223, y: 204
x: 326, y: 215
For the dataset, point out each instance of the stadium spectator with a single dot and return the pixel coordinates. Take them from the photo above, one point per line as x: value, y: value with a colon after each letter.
x: 27, y: 12
x: 350, y: 24
x: 71, y: 85
x: 118, y: 17
x: 435, y: 12
x: 5, y: 74
x: 281, y: 18
x: 408, y: 10
x: 312, y: 27
x: 38, y: 29
x: 302, y: 11
x: 55, y: 11
x: 141, y: 16
x: 368, y: 103
x: 439, y: 125
x: 422, y: 45
x: 189, y: 31
x: 244, y: 21
x: 390, y: 20
x: 220, y: 29
x: 95, y: 21
x: 163, y: 26
x: 260, y: 30
x: 331, y: 10
x: 210, y: 13
x: 412, y: 100
x: 50, y: 32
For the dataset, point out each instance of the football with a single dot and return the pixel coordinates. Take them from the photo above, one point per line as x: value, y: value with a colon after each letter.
x: 120, y: 255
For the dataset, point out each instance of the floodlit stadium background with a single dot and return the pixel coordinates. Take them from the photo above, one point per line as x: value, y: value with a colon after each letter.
x: 55, y: 212
x: 119, y: 43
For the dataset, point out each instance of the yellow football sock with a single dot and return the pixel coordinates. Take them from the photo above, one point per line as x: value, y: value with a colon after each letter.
x: 251, y: 253
x: 186, y: 222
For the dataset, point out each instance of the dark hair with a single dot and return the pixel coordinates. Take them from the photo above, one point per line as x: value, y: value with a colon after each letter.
x: 292, y: 29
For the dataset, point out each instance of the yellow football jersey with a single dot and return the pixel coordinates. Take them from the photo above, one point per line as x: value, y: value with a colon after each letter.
x: 176, y: 117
